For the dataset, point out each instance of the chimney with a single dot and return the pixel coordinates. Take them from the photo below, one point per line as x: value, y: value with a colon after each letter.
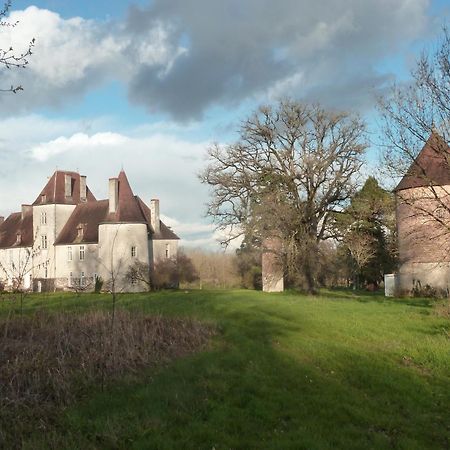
x: 25, y: 209
x: 68, y: 185
x: 83, y: 194
x: 113, y: 194
x: 154, y: 210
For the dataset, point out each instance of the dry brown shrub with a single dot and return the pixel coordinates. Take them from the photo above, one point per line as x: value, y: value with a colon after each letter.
x: 49, y: 359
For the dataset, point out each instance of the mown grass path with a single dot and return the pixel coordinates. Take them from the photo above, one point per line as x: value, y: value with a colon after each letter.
x: 285, y: 371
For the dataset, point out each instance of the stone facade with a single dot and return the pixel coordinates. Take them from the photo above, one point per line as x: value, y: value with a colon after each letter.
x: 272, y: 266
x: 67, y: 238
x: 423, y: 220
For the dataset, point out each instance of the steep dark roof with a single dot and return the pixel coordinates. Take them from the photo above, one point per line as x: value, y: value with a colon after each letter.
x: 128, y: 209
x: 54, y: 190
x: 88, y: 216
x: 431, y: 167
x: 165, y: 232
x: 14, y: 225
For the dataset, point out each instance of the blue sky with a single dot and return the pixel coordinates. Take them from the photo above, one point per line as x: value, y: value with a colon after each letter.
x: 148, y: 85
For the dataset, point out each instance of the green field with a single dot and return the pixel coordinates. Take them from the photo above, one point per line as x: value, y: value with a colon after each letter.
x: 284, y: 371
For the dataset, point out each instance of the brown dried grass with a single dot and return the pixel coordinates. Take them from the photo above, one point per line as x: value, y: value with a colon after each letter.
x: 48, y: 360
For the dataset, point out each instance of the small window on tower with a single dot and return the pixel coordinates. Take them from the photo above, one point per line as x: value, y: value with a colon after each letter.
x: 44, y: 241
x: 133, y: 251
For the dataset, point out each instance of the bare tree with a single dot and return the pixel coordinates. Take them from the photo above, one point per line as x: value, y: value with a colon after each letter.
x: 362, y: 249
x: 9, y: 58
x: 140, y: 272
x: 416, y: 116
x: 293, y: 165
x: 18, y: 264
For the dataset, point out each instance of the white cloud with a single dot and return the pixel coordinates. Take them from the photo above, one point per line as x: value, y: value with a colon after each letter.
x: 73, y: 55
x: 79, y: 142
x: 157, y: 164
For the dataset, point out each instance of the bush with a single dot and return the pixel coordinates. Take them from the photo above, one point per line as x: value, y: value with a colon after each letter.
x: 49, y: 360
x: 98, y: 284
x: 428, y: 291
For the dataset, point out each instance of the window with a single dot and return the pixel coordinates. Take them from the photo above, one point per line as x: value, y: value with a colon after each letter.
x: 80, y: 230
x: 82, y: 279
x: 133, y: 251
x: 43, y: 218
x: 44, y: 241
x: 71, y: 279
x: 167, y: 251
x: 69, y: 253
x: 81, y: 252
x: 46, y: 272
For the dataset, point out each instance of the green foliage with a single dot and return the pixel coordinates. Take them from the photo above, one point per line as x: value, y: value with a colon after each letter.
x: 98, y: 284
x: 367, y: 230
x: 248, y: 261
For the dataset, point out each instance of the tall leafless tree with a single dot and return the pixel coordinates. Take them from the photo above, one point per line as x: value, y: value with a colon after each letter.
x: 416, y: 114
x: 292, y: 166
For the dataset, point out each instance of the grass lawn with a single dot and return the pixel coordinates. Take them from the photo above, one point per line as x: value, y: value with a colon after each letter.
x: 284, y: 371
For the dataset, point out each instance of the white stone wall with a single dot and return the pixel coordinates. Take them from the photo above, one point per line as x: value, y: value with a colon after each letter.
x: 163, y: 248
x: 115, y: 242
x: 70, y: 271
x: 436, y: 275
x: 16, y: 267
x: 56, y: 217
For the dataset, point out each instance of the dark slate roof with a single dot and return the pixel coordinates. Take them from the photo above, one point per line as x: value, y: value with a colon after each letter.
x: 165, y: 232
x: 14, y: 225
x: 54, y: 190
x: 128, y: 209
x: 88, y: 216
x: 431, y: 167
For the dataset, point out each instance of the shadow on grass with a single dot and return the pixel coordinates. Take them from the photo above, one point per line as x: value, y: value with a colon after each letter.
x: 378, y: 297
x: 249, y: 392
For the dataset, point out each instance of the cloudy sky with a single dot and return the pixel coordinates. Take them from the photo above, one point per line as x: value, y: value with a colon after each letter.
x: 147, y: 85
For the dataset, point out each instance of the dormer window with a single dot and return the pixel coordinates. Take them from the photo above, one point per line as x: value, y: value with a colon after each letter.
x: 18, y: 238
x: 43, y: 198
x: 80, y: 231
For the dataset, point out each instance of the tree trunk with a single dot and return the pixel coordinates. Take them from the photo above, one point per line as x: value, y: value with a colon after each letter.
x: 310, y: 262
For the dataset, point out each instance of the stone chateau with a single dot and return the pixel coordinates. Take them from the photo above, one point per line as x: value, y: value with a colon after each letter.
x: 66, y: 238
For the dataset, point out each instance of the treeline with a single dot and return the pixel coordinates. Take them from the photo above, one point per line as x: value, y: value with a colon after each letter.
x: 360, y: 250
